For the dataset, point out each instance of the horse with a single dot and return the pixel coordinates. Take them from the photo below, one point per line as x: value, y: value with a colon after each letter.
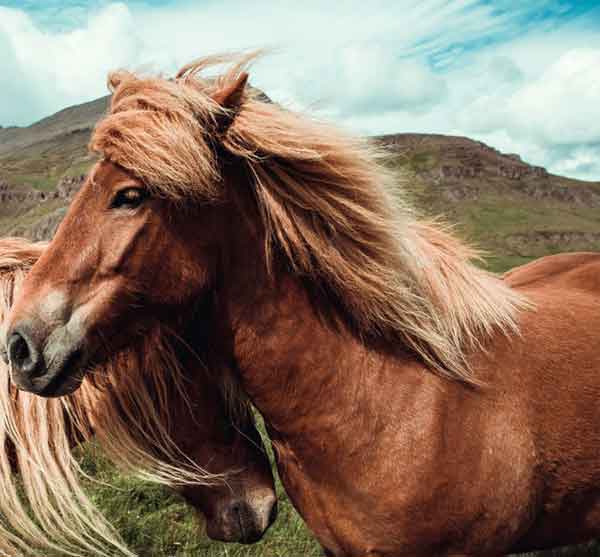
x: 167, y: 429
x: 417, y: 404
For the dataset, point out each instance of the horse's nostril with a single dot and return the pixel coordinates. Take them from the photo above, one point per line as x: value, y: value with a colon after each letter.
x: 236, y: 508
x: 249, y: 531
x: 21, y: 353
x: 18, y: 349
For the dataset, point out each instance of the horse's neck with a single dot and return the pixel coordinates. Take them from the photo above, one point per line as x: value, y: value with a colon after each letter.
x: 304, y: 376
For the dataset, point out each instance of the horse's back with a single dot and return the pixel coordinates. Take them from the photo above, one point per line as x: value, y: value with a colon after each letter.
x: 569, y: 270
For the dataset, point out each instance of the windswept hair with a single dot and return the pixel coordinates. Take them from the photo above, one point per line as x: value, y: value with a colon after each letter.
x: 328, y: 207
x: 125, y: 404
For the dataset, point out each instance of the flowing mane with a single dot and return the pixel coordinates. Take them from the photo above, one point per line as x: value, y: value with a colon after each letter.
x: 328, y: 205
x: 125, y: 405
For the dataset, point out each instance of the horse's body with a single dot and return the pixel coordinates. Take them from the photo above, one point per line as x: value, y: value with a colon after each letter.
x: 417, y: 404
x: 383, y: 458
x: 189, y: 440
x: 557, y: 366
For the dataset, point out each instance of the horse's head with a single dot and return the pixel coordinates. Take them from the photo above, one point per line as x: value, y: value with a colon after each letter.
x: 217, y: 432
x: 201, y: 433
x: 133, y: 248
x: 120, y: 261
x: 158, y: 410
x: 203, y: 192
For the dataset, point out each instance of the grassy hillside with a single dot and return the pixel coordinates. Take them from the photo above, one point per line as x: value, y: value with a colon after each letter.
x: 514, y: 211
x: 511, y: 209
x: 39, y: 155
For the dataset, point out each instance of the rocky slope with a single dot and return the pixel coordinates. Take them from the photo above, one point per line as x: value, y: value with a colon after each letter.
x: 463, y: 168
x: 513, y: 209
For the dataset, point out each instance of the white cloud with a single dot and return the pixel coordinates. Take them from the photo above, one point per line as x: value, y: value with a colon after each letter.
x: 18, y: 97
x: 335, y: 52
x: 62, y: 68
x: 563, y: 104
x: 550, y: 113
x: 461, y: 66
x: 370, y: 79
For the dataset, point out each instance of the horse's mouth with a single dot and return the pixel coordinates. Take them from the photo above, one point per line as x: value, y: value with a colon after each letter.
x: 63, y: 384
x: 68, y: 378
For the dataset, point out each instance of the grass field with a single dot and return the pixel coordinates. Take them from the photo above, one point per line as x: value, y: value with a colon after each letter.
x: 43, y: 164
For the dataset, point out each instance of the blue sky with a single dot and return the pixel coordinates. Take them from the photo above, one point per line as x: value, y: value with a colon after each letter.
x: 521, y: 76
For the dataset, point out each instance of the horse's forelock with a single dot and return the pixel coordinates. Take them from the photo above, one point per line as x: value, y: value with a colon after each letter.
x: 158, y: 129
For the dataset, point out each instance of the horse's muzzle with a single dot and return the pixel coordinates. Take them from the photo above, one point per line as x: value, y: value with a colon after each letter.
x: 242, y: 521
x: 45, y: 364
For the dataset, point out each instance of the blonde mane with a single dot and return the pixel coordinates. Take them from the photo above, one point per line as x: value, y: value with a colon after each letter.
x: 328, y: 206
x: 125, y: 405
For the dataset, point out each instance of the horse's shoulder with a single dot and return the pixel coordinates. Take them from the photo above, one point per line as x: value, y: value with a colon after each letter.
x: 575, y: 270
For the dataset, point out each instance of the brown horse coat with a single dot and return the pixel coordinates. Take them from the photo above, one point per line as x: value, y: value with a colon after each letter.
x: 381, y: 458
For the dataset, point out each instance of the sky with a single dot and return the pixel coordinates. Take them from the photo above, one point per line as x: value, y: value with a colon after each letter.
x: 520, y: 75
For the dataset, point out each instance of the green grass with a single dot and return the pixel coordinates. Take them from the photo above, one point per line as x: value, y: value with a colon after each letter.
x: 28, y: 215
x: 512, y: 228
x: 501, y: 264
x: 591, y: 549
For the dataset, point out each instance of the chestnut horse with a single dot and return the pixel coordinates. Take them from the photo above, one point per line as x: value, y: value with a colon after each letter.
x: 418, y: 405
x: 171, y: 429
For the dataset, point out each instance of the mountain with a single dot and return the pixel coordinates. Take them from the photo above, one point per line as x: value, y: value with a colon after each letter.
x: 41, y: 154
x: 514, y: 210
x: 40, y: 167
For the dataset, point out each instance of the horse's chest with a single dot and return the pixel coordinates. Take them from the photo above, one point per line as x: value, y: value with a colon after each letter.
x: 306, y: 495
x: 394, y: 503
x: 342, y: 519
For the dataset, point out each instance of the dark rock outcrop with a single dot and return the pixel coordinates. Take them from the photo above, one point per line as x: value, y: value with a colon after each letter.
x: 519, y: 171
x: 69, y: 186
x: 581, y: 195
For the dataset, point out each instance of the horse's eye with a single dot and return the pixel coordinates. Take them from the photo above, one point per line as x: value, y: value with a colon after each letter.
x: 129, y: 198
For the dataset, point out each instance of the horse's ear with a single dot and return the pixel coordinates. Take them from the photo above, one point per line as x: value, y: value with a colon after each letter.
x: 116, y: 78
x: 230, y: 98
